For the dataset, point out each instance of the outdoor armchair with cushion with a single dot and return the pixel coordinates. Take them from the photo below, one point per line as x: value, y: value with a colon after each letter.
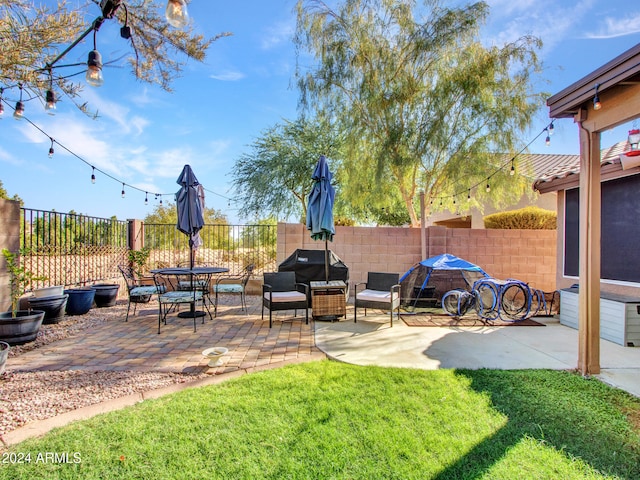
x: 136, y: 291
x: 382, y: 290
x: 171, y: 298
x: 233, y: 284
x: 281, y: 292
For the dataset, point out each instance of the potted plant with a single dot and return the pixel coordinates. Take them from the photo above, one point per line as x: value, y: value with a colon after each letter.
x: 19, y: 326
x: 138, y: 260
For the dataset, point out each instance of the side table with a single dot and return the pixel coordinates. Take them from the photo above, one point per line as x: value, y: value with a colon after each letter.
x: 328, y: 300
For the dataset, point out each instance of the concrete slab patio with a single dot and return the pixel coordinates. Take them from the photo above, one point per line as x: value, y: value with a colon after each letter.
x: 372, y: 341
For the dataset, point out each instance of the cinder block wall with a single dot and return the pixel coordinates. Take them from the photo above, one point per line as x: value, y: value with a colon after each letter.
x: 527, y: 255
x: 9, y: 239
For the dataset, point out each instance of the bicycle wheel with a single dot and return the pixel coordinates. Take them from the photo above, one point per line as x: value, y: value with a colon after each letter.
x: 451, y: 302
x: 515, y: 301
x: 486, y: 299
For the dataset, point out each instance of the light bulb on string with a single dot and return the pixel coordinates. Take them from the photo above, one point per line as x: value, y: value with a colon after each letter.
x: 1, y: 105
x: 94, y: 65
x: 547, y: 140
x: 488, y: 187
x: 93, y: 174
x: 94, y: 69
x: 512, y: 171
x: 596, y: 99
x: 50, y: 97
x: 146, y: 198
x: 469, y: 194
x: 50, y: 104
x: 550, y: 129
x: 123, y: 190
x: 176, y: 13
x: 51, y: 148
x: 19, y: 110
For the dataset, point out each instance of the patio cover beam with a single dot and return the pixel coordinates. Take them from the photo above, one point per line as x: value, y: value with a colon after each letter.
x: 619, y: 94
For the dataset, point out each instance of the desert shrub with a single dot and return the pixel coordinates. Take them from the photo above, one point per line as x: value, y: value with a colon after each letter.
x: 528, y: 218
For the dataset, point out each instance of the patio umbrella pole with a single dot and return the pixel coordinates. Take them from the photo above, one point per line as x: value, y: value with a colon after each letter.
x: 326, y: 261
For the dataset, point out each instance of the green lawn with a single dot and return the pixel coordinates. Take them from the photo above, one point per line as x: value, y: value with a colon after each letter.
x: 323, y: 420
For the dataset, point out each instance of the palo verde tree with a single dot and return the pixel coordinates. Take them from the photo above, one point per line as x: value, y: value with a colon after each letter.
x: 424, y: 104
x: 274, y: 177
x: 35, y: 36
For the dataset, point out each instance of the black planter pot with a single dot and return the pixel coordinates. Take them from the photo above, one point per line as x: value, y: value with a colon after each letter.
x: 22, y: 328
x: 106, y: 294
x: 53, y: 307
x: 80, y: 300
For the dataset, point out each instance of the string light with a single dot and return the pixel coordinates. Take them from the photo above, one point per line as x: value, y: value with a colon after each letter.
x: 146, y: 198
x: 547, y: 140
x: 94, y: 62
x: 50, y: 98
x: 19, y: 111
x: 176, y: 13
x: 550, y: 129
x: 93, y: 168
x: 596, y: 99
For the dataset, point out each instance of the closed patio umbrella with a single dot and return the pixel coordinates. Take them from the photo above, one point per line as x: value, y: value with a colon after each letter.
x: 190, y: 209
x: 320, y: 208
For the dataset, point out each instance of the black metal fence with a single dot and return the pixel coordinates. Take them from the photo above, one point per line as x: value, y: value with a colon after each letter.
x: 230, y: 246
x: 70, y: 249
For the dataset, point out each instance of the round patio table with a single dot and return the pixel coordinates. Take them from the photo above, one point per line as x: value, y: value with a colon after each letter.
x: 192, y: 272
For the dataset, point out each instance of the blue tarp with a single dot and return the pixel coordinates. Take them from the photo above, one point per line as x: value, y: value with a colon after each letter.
x: 416, y: 279
x: 446, y: 261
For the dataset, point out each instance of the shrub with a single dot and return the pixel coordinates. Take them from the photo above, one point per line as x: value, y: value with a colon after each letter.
x: 528, y: 218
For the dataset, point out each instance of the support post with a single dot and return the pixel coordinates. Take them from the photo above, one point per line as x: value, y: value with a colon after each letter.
x: 589, y: 251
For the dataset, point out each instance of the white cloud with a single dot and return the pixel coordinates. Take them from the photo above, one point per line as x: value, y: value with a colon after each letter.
x: 6, y: 157
x: 279, y: 34
x: 617, y: 27
x: 550, y: 21
x: 113, y: 111
x: 228, y: 76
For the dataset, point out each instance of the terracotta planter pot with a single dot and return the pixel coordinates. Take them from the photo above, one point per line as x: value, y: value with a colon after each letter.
x: 53, y: 307
x: 22, y: 328
x: 4, y: 354
x: 80, y: 300
x: 106, y: 294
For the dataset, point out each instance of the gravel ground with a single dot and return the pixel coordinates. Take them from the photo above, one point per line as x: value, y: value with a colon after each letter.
x: 29, y: 396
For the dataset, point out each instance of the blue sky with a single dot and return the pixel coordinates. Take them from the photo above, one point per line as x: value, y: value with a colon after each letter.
x: 144, y: 135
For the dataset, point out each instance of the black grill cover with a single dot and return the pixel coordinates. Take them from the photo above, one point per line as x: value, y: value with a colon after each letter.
x: 308, y: 266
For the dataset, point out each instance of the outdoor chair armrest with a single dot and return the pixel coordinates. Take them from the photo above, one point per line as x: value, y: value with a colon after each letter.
x: 355, y: 286
x: 304, y: 287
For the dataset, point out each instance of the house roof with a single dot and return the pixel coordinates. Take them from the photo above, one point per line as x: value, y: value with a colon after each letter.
x: 567, y: 175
